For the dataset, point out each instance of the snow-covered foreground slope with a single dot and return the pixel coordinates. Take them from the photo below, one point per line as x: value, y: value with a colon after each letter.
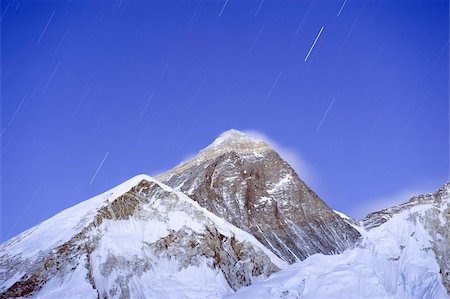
x: 403, y: 256
x: 139, y: 240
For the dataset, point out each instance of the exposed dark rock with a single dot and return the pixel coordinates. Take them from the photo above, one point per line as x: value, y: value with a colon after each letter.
x: 247, y: 183
x: 238, y: 261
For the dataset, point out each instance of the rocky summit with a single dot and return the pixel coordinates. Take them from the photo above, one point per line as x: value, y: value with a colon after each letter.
x: 244, y: 181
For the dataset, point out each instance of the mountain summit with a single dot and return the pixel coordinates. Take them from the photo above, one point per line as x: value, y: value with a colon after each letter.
x: 244, y: 181
x: 234, y: 140
x: 231, y: 141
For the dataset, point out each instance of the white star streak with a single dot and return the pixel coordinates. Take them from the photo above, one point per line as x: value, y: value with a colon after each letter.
x: 273, y: 87
x: 98, y: 169
x: 45, y: 28
x: 51, y: 77
x: 223, y: 8
x: 259, y: 7
x: 314, y: 43
x: 325, y: 115
x: 342, y: 7
x: 145, y: 107
x: 17, y: 110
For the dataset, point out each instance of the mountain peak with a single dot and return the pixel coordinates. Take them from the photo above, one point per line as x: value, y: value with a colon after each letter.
x: 239, y: 142
x: 241, y: 179
x: 233, y: 134
x: 231, y: 141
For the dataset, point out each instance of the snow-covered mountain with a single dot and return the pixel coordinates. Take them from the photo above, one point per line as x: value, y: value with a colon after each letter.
x: 244, y: 181
x: 404, y: 253
x: 141, y: 239
x: 228, y: 223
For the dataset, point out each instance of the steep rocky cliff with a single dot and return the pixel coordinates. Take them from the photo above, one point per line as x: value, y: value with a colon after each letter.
x: 244, y: 181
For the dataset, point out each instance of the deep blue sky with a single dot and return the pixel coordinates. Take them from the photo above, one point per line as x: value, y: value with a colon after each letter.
x: 147, y: 84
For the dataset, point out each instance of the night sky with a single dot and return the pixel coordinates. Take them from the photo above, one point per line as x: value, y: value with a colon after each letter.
x: 353, y: 93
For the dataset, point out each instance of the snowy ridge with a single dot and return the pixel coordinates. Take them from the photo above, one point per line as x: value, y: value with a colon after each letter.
x: 64, y: 225
x: 397, y: 259
x: 130, y: 242
x: 378, y: 217
x: 342, y: 215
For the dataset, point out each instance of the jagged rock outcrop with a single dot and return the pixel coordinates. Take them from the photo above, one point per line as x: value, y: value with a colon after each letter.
x: 244, y: 181
x: 129, y: 242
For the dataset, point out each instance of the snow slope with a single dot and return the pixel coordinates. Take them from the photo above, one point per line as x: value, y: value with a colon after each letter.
x: 61, y: 227
x: 396, y: 259
x: 140, y: 239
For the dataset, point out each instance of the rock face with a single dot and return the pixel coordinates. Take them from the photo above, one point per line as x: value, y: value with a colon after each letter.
x: 142, y: 239
x: 246, y: 183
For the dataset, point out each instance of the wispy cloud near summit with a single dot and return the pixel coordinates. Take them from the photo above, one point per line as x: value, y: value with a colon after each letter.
x: 290, y: 155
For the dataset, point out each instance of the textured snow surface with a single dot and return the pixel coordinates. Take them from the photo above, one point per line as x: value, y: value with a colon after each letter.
x: 165, y: 246
x: 74, y: 285
x: 394, y: 260
x: 61, y: 227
